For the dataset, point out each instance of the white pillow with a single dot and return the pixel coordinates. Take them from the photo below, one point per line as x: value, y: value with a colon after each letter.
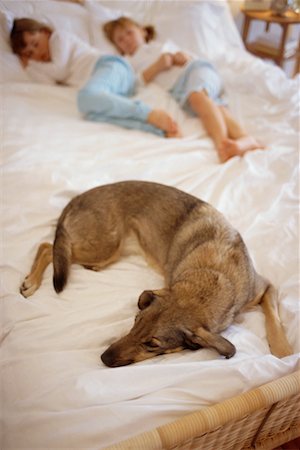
x: 11, y: 69
x: 99, y: 15
x: 203, y: 27
x: 57, y: 14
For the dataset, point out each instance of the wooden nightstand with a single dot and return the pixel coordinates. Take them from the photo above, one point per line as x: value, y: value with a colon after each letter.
x: 280, y: 54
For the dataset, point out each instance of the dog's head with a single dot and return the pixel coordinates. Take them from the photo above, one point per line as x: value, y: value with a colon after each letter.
x: 160, y: 327
x: 154, y: 332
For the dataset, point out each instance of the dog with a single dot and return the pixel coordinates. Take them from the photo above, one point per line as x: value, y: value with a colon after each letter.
x: 209, y: 275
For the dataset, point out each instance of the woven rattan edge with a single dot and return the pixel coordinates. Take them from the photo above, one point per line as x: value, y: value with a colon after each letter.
x: 146, y: 441
x: 279, y: 439
x: 213, y: 417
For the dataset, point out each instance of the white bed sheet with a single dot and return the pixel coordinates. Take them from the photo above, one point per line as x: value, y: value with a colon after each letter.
x: 56, y: 392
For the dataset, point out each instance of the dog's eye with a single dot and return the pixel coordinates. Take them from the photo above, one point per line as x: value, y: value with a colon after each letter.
x: 152, y: 345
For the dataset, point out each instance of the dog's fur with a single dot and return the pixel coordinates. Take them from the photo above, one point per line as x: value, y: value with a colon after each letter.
x: 209, y: 276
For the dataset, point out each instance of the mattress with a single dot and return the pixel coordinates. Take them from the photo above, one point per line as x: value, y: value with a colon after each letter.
x: 56, y: 392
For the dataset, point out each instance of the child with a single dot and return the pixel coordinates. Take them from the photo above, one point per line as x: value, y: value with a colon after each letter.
x: 194, y: 83
x: 104, y: 82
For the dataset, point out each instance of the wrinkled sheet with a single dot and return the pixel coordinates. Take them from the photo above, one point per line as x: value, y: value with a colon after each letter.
x: 56, y: 393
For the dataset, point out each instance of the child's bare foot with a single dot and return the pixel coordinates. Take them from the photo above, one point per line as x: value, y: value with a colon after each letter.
x: 238, y: 147
x: 173, y: 134
x: 163, y: 121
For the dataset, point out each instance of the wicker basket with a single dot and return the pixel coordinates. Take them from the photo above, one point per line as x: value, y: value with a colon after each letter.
x: 262, y: 418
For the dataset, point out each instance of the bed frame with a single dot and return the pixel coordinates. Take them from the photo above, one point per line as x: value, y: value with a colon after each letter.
x: 262, y: 418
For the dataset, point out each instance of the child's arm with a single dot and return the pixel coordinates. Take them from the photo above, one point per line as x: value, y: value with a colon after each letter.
x: 63, y: 47
x: 164, y: 62
x: 41, y: 72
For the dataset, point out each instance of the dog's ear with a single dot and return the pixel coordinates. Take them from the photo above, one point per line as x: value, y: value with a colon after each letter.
x: 204, y: 338
x: 145, y: 299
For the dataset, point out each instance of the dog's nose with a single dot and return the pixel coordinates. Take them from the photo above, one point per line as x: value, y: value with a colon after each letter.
x: 110, y: 359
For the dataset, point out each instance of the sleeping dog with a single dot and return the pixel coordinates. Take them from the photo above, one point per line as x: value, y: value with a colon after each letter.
x: 209, y: 276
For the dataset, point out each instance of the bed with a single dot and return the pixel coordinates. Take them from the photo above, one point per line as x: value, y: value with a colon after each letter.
x: 56, y: 393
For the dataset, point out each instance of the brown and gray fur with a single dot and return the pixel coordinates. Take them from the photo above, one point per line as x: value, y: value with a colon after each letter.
x: 209, y: 276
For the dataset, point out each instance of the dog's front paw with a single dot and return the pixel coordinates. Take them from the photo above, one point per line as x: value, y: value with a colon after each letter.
x: 28, y: 287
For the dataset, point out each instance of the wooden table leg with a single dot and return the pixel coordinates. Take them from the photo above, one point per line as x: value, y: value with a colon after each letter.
x: 246, y: 28
x: 280, y: 57
x: 297, y: 61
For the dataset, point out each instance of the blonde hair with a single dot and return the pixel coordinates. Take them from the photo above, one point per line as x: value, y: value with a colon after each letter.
x: 19, y: 27
x: 110, y: 27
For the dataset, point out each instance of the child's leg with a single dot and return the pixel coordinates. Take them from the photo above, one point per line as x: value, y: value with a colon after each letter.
x: 132, y: 114
x: 199, y: 86
x: 103, y: 99
x: 229, y: 137
x: 238, y: 141
x: 235, y: 130
x: 211, y: 116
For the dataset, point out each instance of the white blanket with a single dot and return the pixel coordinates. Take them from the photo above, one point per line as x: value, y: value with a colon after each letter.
x: 56, y: 393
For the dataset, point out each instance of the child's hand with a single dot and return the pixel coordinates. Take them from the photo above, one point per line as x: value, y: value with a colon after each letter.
x: 180, y: 58
x: 165, y: 62
x: 23, y: 60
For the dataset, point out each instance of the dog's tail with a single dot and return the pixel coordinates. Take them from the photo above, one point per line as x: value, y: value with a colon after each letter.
x: 278, y: 342
x: 62, y: 255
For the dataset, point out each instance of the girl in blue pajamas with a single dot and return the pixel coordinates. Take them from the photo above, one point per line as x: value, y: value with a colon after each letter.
x: 194, y: 83
x: 105, y: 83
x: 104, y: 97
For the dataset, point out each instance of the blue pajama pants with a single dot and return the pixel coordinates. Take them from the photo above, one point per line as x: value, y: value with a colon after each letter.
x: 104, y: 98
x: 199, y: 75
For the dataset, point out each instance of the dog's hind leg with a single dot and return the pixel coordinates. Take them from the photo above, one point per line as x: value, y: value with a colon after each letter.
x: 278, y: 342
x: 261, y: 284
x: 42, y: 259
x: 99, y: 256
x: 102, y: 264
